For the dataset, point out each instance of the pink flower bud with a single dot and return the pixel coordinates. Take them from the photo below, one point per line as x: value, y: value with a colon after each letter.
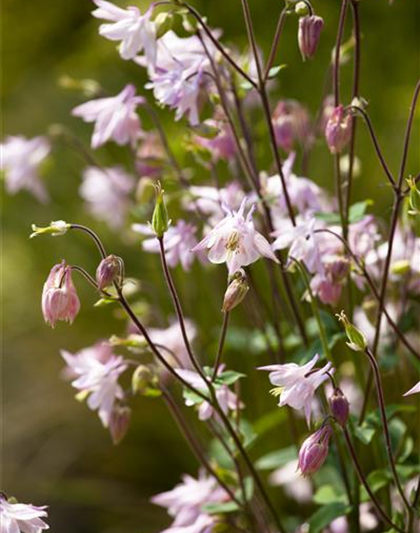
x: 314, y: 451
x: 339, y: 406
x: 291, y: 123
x: 119, y: 423
x: 107, y: 271
x: 338, y: 130
x: 310, y: 28
x: 59, y: 296
x: 235, y: 292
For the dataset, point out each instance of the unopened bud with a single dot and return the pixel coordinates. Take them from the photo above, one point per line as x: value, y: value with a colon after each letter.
x: 160, y: 220
x: 55, y: 229
x: 314, y: 451
x: 119, y: 423
x: 108, y: 271
x: 310, y: 28
x: 338, y: 130
x: 235, y: 292
x: 339, y: 406
x: 357, y: 340
x: 413, y: 198
x: 302, y: 9
x: 142, y: 379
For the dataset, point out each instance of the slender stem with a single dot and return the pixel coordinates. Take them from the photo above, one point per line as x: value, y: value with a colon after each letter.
x: 388, y: 445
x: 221, y: 344
x: 408, y: 134
x: 93, y: 235
x: 414, y: 505
x: 365, y: 483
x: 194, y: 444
x: 275, y: 43
x: 336, y: 65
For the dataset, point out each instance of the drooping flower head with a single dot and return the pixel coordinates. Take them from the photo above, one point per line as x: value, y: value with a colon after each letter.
x: 21, y: 517
x: 338, y: 130
x: 136, y: 32
x: 59, y: 296
x: 95, y: 371
x: 20, y: 161
x: 106, y: 192
x: 314, y: 450
x: 115, y: 117
x: 310, y: 28
x: 296, y: 385
x: 235, y: 241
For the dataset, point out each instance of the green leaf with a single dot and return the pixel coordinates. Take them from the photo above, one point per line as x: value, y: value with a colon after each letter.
x: 247, y: 432
x: 358, y: 210
x: 326, y: 514
x: 220, y: 508
x: 329, y: 218
x: 272, y: 73
x: 249, y: 489
x: 376, y: 480
x: 328, y: 494
x: 277, y: 459
x: 229, y: 377
x: 192, y: 397
x: 102, y: 302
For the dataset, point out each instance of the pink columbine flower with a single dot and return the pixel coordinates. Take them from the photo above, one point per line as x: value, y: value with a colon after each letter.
x: 136, y: 32
x: 291, y: 123
x: 338, y: 130
x: 227, y: 399
x: 115, y: 117
x: 310, y: 28
x: 413, y: 390
x: 296, y: 385
x: 314, y: 450
x: 21, y: 517
x: 235, y: 241
x: 222, y: 144
x: 95, y: 371
x: 178, y: 241
x: 304, y: 243
x: 20, y: 160
x: 185, y: 501
x: 106, y: 192
x: 59, y: 296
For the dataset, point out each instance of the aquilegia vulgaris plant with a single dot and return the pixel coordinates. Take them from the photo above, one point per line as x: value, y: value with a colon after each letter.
x: 330, y: 292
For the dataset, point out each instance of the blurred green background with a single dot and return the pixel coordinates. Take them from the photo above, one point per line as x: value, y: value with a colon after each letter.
x: 54, y: 449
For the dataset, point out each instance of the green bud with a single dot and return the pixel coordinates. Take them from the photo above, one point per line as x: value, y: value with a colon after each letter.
x: 160, y: 220
x: 302, y: 9
x: 357, y: 340
x: 413, y: 198
x: 143, y: 380
x: 56, y: 228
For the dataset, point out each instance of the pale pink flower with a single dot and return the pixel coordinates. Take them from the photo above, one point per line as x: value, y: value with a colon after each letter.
x: 235, y: 241
x: 413, y: 390
x: 328, y: 286
x: 291, y: 123
x: 96, y: 371
x: 296, y: 385
x: 304, y: 243
x: 115, y: 117
x: 227, y: 399
x: 136, y: 32
x: 184, y: 503
x: 209, y: 200
x: 338, y: 130
x: 59, y: 296
x: 21, y: 159
x: 222, y: 144
x: 21, y: 517
x: 295, y: 486
x: 178, y: 241
x: 106, y: 192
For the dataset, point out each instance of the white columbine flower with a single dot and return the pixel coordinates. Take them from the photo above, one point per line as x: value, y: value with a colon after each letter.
x: 21, y: 517
x: 115, y: 117
x: 20, y: 161
x: 235, y: 241
x: 135, y: 31
x: 106, y: 191
x: 296, y: 385
x: 95, y: 372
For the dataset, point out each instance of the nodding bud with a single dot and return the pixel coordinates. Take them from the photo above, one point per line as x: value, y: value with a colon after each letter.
x: 235, y: 292
x: 144, y: 380
x: 339, y: 407
x: 413, y: 198
x: 160, y: 220
x: 314, y: 451
x: 338, y: 130
x: 59, y: 296
x: 108, y: 271
x: 119, y: 423
x: 56, y: 228
x: 310, y: 28
x: 357, y: 339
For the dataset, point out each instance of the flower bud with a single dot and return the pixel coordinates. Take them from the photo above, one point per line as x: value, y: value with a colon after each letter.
x: 357, y: 340
x: 144, y: 381
x: 160, y: 220
x: 302, y: 9
x: 339, y: 406
x: 413, y: 197
x: 310, y: 28
x: 56, y: 228
x: 338, y: 130
x: 235, y: 292
x: 108, y: 271
x: 119, y: 422
x: 59, y: 296
x: 314, y: 451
